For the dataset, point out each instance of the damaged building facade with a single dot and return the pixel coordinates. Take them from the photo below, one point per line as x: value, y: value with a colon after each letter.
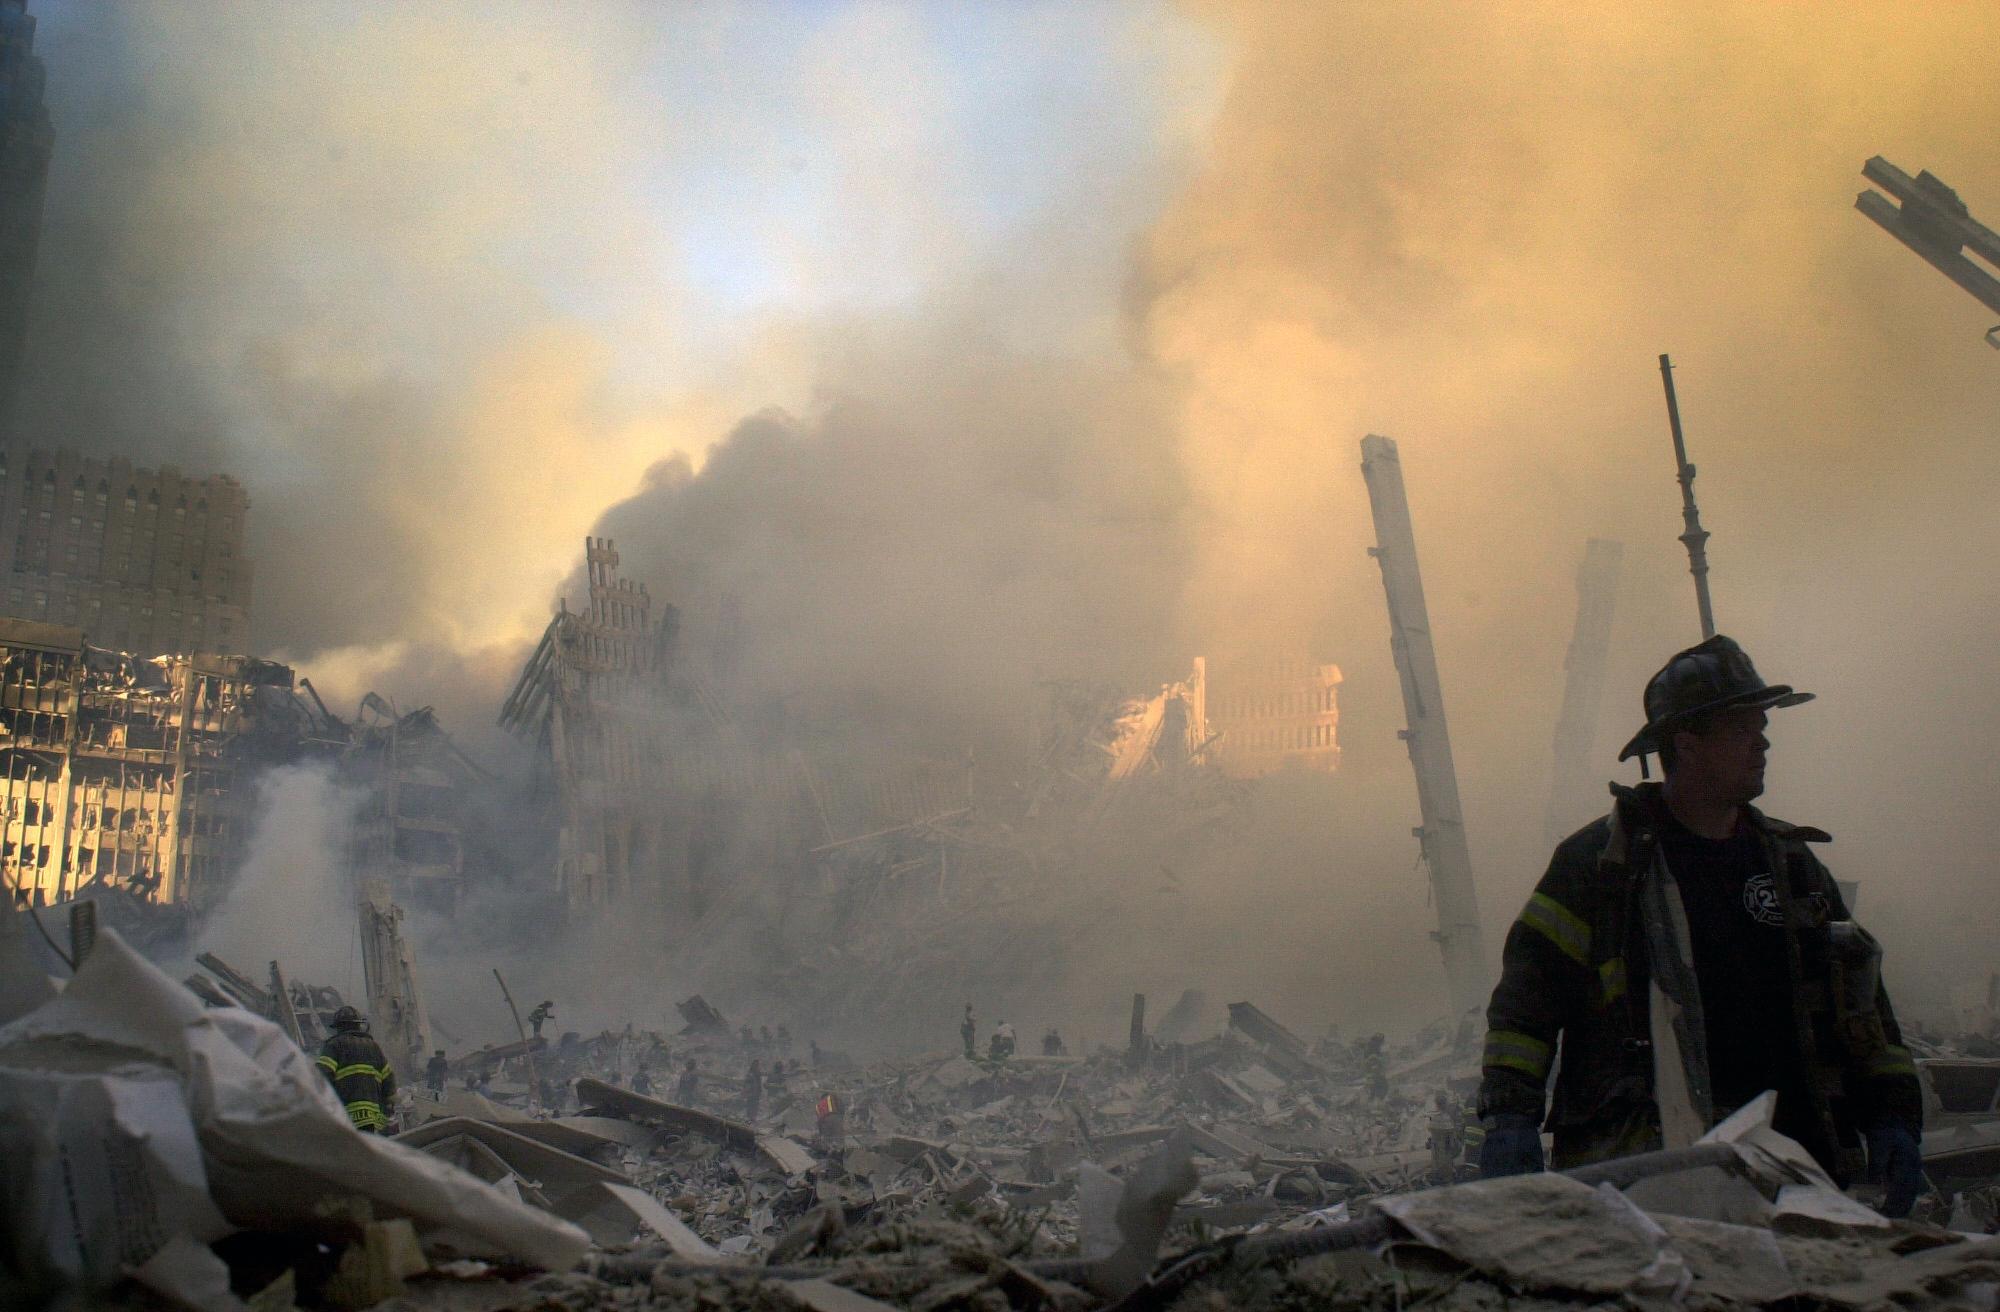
x: 130, y: 774
x: 593, y: 700
x: 141, y: 777
x: 1273, y: 714
x: 418, y: 792
x: 1247, y: 718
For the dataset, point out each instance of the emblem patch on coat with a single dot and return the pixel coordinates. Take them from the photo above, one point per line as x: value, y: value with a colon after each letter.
x: 1760, y: 899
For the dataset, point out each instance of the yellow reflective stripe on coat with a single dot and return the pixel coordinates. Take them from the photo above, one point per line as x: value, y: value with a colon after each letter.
x: 325, y: 1063
x: 1611, y: 980
x: 1517, y: 1051
x: 1893, y: 1061
x: 1559, y: 925
x: 362, y: 1112
x: 360, y: 1068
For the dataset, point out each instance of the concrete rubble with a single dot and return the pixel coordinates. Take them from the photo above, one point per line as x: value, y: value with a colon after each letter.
x: 1245, y: 1168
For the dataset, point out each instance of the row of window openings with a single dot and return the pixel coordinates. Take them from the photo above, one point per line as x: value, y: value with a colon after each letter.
x: 36, y: 857
x: 224, y: 548
x: 16, y: 599
x: 32, y: 812
x: 130, y: 819
x: 1317, y: 702
x: 1287, y: 740
x: 21, y: 563
x: 104, y: 491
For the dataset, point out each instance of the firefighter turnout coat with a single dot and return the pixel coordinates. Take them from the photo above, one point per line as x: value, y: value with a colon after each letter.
x: 360, y: 1075
x: 1599, y: 960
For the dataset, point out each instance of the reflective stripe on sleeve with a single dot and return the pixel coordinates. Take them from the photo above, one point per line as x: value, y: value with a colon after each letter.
x: 1559, y: 925
x: 1517, y: 1051
x: 1893, y: 1060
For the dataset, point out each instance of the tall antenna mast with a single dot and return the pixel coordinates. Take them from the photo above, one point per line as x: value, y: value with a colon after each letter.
x: 1693, y: 537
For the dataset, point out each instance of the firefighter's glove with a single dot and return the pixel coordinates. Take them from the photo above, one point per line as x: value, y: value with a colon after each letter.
x: 1513, y: 1146
x: 1896, y: 1162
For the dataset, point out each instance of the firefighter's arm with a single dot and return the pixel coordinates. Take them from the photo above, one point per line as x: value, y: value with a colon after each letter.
x: 1886, y: 1086
x: 1543, y: 977
x: 1892, y: 1089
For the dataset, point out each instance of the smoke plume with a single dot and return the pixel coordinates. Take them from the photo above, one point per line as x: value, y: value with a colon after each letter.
x: 1474, y: 228
x: 292, y: 901
x: 1049, y: 354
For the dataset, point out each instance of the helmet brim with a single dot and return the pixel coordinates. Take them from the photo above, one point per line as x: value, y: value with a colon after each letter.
x: 1647, y: 740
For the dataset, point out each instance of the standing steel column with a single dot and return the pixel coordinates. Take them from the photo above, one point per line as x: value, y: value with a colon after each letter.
x: 1693, y: 536
x: 1442, y: 834
x: 1571, y: 784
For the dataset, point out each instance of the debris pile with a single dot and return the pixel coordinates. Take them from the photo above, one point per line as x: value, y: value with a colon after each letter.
x: 721, y: 1166
x: 145, y: 1135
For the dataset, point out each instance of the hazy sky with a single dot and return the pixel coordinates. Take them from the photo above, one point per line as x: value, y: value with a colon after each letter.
x: 1076, y: 314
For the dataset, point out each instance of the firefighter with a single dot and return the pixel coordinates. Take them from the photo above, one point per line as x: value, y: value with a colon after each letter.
x: 968, y: 1033
x: 358, y: 1072
x: 544, y: 1012
x: 1691, y: 953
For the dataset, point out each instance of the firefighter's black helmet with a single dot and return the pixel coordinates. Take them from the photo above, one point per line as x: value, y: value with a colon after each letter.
x: 1709, y: 676
x: 347, y: 1018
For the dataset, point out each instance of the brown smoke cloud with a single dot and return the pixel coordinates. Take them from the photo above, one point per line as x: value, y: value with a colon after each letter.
x: 327, y: 251
x: 1473, y: 227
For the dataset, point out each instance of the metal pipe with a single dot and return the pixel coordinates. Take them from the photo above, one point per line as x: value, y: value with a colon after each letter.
x: 1693, y: 537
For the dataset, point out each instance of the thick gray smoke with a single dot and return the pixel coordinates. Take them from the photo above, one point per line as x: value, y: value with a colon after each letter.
x: 292, y: 901
x: 930, y: 550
